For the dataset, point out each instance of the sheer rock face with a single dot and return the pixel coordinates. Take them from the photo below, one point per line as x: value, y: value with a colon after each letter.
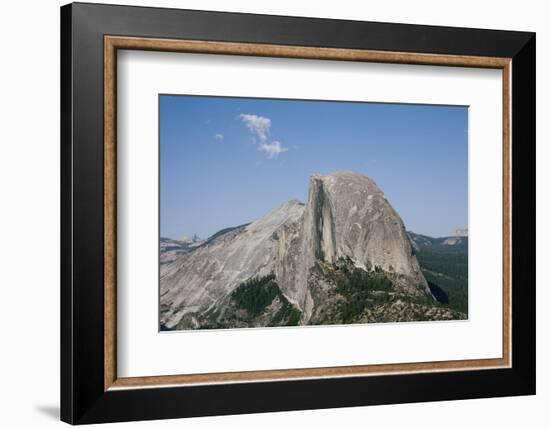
x: 346, y: 216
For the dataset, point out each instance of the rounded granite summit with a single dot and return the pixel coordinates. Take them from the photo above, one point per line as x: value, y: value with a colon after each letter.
x: 346, y: 217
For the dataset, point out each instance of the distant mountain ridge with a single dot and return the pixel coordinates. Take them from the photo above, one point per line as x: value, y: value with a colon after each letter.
x: 342, y: 257
x: 418, y: 241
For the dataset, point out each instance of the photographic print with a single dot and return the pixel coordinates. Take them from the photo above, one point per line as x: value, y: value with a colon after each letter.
x: 279, y: 212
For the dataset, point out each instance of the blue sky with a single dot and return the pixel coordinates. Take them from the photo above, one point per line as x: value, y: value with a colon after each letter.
x: 228, y: 161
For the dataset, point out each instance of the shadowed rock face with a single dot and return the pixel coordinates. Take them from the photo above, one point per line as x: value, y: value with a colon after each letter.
x: 346, y: 216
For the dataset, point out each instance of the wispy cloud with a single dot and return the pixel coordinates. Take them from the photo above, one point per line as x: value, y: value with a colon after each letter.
x: 273, y: 149
x: 218, y: 137
x: 260, y: 127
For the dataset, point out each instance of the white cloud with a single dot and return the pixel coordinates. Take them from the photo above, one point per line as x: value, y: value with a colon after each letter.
x: 273, y: 149
x: 218, y: 137
x: 260, y: 128
x: 258, y: 125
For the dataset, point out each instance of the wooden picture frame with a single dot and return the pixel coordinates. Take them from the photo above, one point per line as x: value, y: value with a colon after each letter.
x: 91, y: 390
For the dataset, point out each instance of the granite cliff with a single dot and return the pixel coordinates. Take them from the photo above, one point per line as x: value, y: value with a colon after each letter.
x: 342, y: 257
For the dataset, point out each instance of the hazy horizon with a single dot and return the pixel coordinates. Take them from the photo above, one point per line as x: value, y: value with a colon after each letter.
x: 229, y: 161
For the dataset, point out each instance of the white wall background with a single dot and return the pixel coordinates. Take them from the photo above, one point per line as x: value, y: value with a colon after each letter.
x: 29, y: 214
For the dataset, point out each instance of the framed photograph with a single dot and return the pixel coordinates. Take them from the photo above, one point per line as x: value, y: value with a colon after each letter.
x: 316, y: 212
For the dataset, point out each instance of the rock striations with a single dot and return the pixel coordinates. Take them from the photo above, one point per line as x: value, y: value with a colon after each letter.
x: 347, y: 225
